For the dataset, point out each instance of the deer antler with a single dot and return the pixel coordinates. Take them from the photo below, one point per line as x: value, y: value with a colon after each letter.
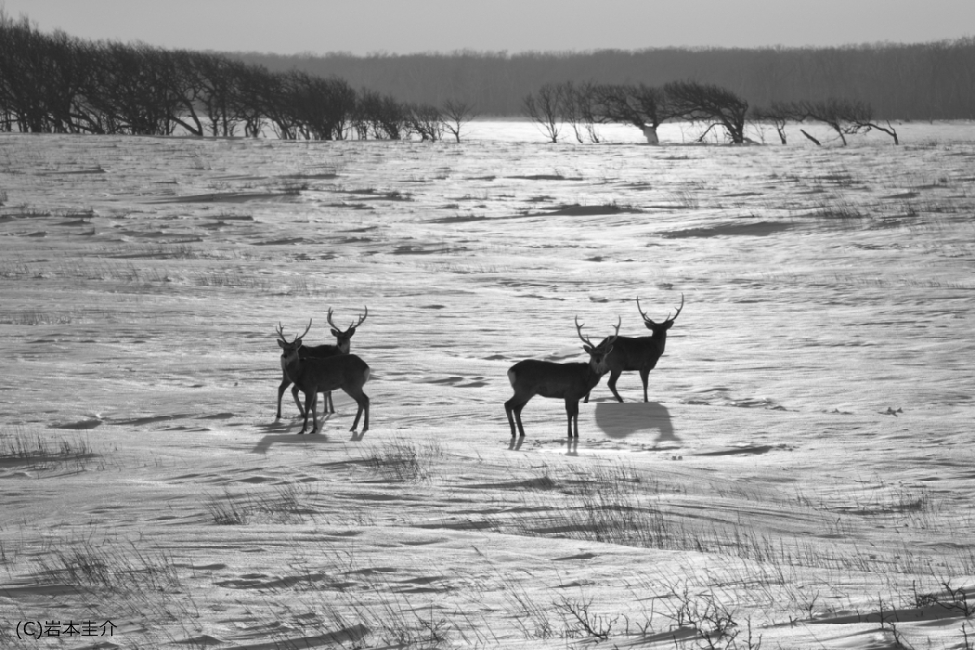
x: 678, y: 310
x: 616, y: 334
x: 280, y: 331
x: 579, y: 332
x: 362, y: 319
x: 645, y: 317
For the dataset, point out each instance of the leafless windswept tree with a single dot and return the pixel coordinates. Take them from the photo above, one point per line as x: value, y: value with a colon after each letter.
x: 321, y: 107
x: 545, y: 109
x: 380, y: 116
x: 216, y: 76
x: 778, y: 114
x: 426, y: 121
x: 846, y: 117
x: 41, y: 78
x: 709, y: 104
x: 643, y: 106
x: 455, y: 114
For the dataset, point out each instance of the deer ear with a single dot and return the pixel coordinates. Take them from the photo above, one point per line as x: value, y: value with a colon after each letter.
x: 282, y: 344
x: 336, y: 333
x: 589, y: 349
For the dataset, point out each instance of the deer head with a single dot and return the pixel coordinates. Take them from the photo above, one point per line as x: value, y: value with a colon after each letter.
x: 344, y: 337
x: 660, y: 328
x: 598, y: 353
x: 290, y: 347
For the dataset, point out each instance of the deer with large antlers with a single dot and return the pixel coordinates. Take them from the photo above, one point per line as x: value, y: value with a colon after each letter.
x: 313, y: 375
x: 639, y: 353
x: 568, y: 381
x: 343, y: 343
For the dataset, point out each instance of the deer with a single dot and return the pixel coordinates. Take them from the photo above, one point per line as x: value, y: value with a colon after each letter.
x: 639, y: 353
x: 343, y: 341
x: 313, y: 375
x: 568, y: 381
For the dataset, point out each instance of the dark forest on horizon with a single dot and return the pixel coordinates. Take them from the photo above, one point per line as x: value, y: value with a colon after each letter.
x: 925, y: 81
x: 57, y: 83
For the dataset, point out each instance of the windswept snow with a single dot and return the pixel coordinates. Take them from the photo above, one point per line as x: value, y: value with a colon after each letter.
x: 801, y: 477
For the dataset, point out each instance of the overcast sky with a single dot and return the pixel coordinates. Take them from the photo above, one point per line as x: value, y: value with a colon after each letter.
x: 404, y: 26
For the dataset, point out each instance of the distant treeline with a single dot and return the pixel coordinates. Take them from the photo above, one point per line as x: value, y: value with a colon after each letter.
x: 60, y: 84
x: 55, y: 83
x: 910, y: 82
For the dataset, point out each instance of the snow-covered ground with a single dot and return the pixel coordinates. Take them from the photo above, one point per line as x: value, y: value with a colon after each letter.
x: 801, y: 477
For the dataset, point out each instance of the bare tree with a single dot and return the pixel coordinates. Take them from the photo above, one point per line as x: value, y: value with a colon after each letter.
x: 321, y: 107
x: 587, y: 106
x: 392, y: 120
x: 546, y: 110
x: 42, y: 79
x: 868, y: 123
x: 185, y: 88
x: 273, y: 94
x: 129, y: 89
x: 710, y: 104
x: 578, y: 107
x: 844, y: 116
x: 248, y: 99
x: 380, y: 116
x: 643, y: 106
x: 778, y: 114
x: 218, y: 77
x: 570, y: 109
x: 454, y: 115
x: 426, y: 121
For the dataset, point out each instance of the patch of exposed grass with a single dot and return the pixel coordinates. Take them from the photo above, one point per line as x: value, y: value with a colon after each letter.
x: 31, y: 447
x: 616, y: 504
x: 404, y: 460
x: 839, y: 212
x: 284, y: 503
x: 119, y: 568
x: 33, y: 317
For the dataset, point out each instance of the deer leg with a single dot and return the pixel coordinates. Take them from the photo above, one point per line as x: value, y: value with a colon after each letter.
x: 285, y: 382
x: 513, y: 408
x: 363, y: 401
x: 314, y: 414
x: 329, y: 405
x: 644, y: 377
x: 309, y: 407
x: 508, y: 407
x: 294, y: 393
x: 572, y: 411
x: 365, y: 409
x: 613, y: 376
x: 521, y: 429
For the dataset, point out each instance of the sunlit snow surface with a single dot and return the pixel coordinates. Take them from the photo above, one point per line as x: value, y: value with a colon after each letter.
x: 804, y: 464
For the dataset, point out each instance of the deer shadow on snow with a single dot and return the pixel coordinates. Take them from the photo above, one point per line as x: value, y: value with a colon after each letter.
x: 622, y: 420
x: 279, y: 432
